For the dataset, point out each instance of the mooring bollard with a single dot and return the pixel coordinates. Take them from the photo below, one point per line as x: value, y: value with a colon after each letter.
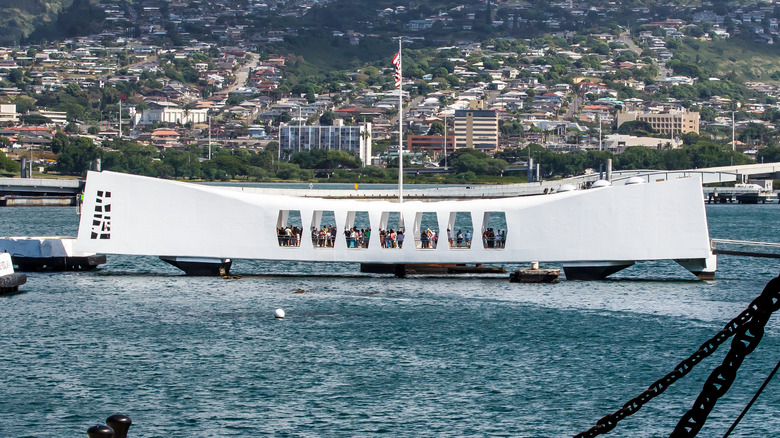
x: 120, y: 423
x: 100, y: 431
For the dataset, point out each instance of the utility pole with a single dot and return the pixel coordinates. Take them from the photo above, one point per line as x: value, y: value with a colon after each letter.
x: 300, y: 128
x: 399, y: 84
x: 600, y: 145
x: 445, y: 142
x: 209, y: 138
x: 733, y: 139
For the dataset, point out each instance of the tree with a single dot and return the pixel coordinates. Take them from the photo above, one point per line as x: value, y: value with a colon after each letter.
x: 59, y: 142
x: 685, y: 69
x: 327, y: 118
x: 272, y: 147
x: 372, y: 172
x: 77, y: 157
x: 323, y: 159
x: 490, y: 64
x: 637, y: 157
x: 708, y: 154
x: 23, y: 103
x: 288, y: 171
x: 284, y: 117
x: 263, y: 159
x: 7, y: 164
x: 755, y: 132
x: 769, y: 154
x: 235, y: 99
x: 675, y: 159
x: 509, y: 128
x: 707, y: 114
x: 437, y: 128
x: 16, y: 76
x: 636, y: 127
x: 72, y: 128
x: 472, y: 160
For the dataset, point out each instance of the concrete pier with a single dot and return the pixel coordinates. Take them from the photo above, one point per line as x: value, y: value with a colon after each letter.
x: 730, y: 195
x: 746, y: 248
x: 37, y: 192
x: 38, y: 201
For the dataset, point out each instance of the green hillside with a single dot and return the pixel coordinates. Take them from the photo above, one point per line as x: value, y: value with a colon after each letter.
x: 18, y: 18
x: 47, y: 20
x: 738, y: 58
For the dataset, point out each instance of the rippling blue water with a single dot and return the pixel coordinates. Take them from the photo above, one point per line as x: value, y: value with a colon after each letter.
x: 362, y: 355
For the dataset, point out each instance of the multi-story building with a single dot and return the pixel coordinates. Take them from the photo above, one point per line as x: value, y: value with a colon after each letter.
x: 617, y: 143
x: 166, y: 112
x: 433, y: 143
x: 8, y: 113
x: 476, y: 129
x: 353, y: 139
x: 669, y: 122
x: 59, y: 118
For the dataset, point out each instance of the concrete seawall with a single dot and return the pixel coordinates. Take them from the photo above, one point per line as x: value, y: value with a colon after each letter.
x: 37, y: 201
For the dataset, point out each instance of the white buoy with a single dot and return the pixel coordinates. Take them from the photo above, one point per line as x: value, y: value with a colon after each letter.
x: 279, y: 313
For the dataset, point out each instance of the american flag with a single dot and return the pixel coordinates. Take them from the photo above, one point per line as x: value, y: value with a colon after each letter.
x: 397, y: 64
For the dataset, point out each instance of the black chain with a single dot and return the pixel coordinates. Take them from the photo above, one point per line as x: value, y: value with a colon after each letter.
x: 749, y: 328
x: 745, y: 341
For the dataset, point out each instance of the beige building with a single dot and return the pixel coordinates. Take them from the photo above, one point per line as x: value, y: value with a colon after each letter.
x: 59, y: 118
x: 617, y: 143
x: 8, y: 113
x: 673, y: 122
x: 476, y: 129
x: 170, y: 113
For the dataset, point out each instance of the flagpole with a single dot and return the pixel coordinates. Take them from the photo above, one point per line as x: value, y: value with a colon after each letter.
x: 400, y: 128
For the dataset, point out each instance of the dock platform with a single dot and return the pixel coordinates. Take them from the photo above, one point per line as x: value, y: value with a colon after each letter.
x: 49, y: 254
x: 28, y: 192
x: 745, y: 248
x: 730, y: 195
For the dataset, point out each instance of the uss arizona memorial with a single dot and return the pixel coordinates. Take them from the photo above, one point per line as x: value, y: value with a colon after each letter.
x: 591, y: 233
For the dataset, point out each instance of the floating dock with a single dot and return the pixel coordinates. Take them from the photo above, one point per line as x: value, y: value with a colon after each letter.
x: 49, y: 254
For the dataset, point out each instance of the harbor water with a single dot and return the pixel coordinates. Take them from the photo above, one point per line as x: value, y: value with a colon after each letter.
x: 364, y: 355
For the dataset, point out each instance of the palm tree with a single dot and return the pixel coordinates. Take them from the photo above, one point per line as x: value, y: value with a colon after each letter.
x: 365, y: 134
